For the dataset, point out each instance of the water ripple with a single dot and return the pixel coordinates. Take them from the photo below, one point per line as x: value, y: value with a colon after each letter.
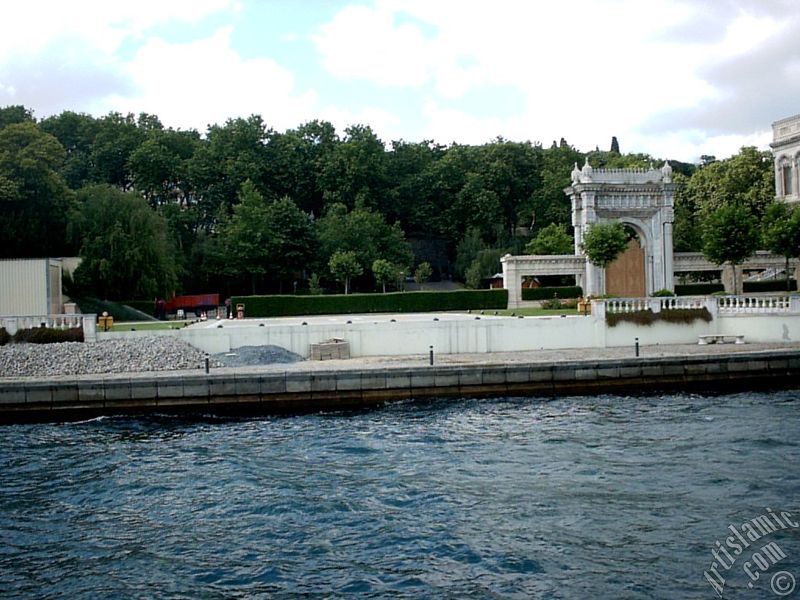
x: 605, y: 497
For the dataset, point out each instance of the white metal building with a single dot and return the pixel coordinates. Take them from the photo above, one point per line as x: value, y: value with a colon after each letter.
x: 31, y: 287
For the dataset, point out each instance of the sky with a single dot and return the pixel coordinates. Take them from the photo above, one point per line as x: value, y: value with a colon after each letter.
x: 676, y: 79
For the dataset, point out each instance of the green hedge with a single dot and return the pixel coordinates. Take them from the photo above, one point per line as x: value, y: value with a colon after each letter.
x: 545, y: 293
x: 698, y: 289
x: 48, y: 335
x: 773, y: 285
x: 678, y: 316
x: 285, y: 306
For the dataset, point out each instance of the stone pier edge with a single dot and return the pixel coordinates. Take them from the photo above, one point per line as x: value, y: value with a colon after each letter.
x: 276, y: 392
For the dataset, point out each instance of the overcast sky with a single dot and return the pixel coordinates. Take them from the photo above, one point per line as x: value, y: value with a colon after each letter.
x: 673, y: 78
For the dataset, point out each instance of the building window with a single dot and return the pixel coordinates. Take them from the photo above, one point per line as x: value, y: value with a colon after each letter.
x: 786, y: 177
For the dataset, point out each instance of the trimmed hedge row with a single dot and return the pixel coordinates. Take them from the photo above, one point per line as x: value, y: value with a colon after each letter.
x: 286, y: 306
x: 698, y: 289
x: 703, y: 289
x: 545, y: 293
x: 678, y: 316
x: 773, y: 285
x: 48, y: 335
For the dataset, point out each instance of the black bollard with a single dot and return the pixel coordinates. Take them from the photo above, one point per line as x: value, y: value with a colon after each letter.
x: 206, y: 365
x: 637, y: 347
x: 431, y: 355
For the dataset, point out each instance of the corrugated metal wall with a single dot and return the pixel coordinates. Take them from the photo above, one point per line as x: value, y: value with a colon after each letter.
x: 24, y: 287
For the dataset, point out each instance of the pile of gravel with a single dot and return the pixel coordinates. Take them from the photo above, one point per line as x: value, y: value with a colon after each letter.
x: 248, y: 356
x: 111, y: 356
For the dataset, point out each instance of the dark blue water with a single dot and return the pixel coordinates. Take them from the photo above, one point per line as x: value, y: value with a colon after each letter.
x: 607, y: 497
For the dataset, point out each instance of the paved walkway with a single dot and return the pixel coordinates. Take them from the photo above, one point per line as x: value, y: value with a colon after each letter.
x: 529, y: 356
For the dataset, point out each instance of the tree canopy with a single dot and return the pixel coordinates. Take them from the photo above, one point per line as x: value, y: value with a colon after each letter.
x: 244, y: 207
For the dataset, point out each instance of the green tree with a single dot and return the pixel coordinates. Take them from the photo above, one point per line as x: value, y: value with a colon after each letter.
x: 745, y: 179
x: 116, y: 139
x: 10, y: 115
x: 730, y: 235
x: 423, y: 274
x: 364, y: 232
x: 34, y: 200
x: 264, y: 238
x: 553, y: 239
x: 125, y: 248
x: 76, y: 132
x: 384, y: 272
x: 485, y: 265
x: 344, y: 266
x: 781, y: 233
x: 604, y: 242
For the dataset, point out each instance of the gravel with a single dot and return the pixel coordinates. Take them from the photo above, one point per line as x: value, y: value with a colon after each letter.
x: 248, y: 356
x: 111, y: 356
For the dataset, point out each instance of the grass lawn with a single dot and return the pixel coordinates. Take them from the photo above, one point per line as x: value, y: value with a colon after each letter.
x: 148, y: 325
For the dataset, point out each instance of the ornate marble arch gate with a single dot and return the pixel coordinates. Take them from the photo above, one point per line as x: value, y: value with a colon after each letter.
x: 643, y: 199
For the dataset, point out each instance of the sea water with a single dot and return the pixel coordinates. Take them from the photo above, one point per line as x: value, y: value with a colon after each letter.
x: 578, y: 497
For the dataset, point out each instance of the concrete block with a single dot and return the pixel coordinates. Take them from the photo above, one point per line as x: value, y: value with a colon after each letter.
x: 470, y: 376
x: 348, y: 381
x: 607, y: 372
x: 778, y: 364
x: 756, y: 365
x: 196, y: 386
x: 12, y: 395
x: 398, y: 380
x: 540, y: 373
x: 323, y: 382
x: 696, y: 368
x: 272, y: 384
x: 38, y: 393
x: 445, y: 377
x: 143, y: 389
x: 652, y: 370
x: 91, y: 391
x: 169, y: 388
x: 423, y: 379
x: 564, y: 372
x: 117, y: 389
x: 247, y: 385
x: 373, y: 380
x: 494, y: 375
x: 518, y: 374
x: 298, y: 382
x: 221, y: 386
x: 630, y: 372
x: 671, y: 370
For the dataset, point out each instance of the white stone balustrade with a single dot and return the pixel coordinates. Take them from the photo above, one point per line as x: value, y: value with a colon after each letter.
x: 86, y: 322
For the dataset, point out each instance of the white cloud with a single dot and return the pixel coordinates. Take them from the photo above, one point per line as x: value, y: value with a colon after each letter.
x: 206, y: 82
x: 587, y: 69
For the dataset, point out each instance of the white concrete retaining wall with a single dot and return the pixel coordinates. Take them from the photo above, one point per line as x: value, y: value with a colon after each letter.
x: 406, y: 337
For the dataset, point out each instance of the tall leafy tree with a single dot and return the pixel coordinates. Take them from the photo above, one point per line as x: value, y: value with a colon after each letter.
x: 11, y: 115
x: 126, y: 251
x: 117, y: 137
x: 730, y: 235
x: 781, y: 233
x: 232, y: 154
x: 344, y: 265
x: 604, y: 242
x: 552, y: 239
x: 364, y: 232
x: 34, y: 200
x: 76, y: 132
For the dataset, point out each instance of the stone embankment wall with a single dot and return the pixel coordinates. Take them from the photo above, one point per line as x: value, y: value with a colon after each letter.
x: 280, y: 392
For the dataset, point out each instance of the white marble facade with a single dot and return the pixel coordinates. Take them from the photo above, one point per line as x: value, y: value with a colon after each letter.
x: 786, y: 150
x: 640, y: 198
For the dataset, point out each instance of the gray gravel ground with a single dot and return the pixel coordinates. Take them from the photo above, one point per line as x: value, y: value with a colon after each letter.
x: 162, y: 353
x: 250, y: 356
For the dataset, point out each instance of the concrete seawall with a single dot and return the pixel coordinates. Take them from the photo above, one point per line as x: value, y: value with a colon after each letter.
x: 272, y: 392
